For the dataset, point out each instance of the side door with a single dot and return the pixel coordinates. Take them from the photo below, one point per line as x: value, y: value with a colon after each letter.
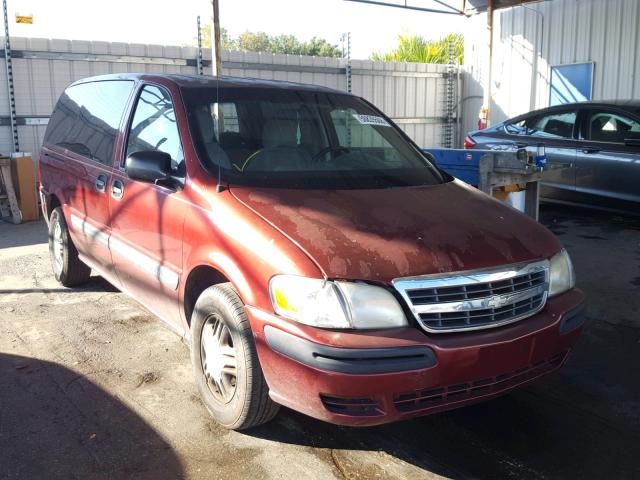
x: 147, y: 219
x: 81, y: 143
x: 609, y: 155
x: 556, y: 131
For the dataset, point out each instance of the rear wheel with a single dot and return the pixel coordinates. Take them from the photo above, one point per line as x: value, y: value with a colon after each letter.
x: 225, y: 361
x: 67, y: 267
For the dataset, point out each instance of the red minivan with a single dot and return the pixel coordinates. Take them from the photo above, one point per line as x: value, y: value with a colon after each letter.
x: 304, y: 247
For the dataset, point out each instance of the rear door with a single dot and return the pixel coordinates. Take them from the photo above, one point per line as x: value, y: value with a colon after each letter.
x: 147, y: 219
x: 609, y: 155
x: 79, y: 150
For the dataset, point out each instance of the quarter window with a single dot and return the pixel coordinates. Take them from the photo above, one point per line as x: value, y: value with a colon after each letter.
x: 154, y: 126
x: 516, y: 128
x: 557, y: 125
x: 87, y: 118
x: 612, y: 127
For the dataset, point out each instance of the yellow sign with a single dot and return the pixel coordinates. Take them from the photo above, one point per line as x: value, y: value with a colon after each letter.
x: 24, y: 19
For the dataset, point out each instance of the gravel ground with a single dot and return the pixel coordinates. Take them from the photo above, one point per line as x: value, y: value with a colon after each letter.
x: 93, y: 386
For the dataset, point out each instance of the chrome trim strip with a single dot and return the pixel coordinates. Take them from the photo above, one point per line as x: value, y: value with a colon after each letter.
x: 167, y: 277
x: 468, y: 277
x: 89, y: 231
x: 471, y: 277
x: 146, y: 264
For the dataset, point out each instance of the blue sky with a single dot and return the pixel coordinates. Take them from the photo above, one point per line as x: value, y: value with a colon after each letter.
x: 170, y: 22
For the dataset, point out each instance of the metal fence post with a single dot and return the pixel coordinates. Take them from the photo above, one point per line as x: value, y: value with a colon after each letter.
x: 199, y: 57
x: 10, y: 89
x: 450, y: 99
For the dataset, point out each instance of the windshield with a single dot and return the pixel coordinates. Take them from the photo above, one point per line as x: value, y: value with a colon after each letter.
x: 287, y: 138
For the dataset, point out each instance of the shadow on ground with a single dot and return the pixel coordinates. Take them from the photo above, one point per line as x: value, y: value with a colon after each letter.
x: 95, y: 284
x: 55, y: 423
x: 29, y: 233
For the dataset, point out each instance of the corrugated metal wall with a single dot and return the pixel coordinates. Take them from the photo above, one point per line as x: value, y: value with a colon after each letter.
x: 529, y: 40
x: 412, y: 94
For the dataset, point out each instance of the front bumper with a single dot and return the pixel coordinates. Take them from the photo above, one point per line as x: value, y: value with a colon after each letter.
x: 372, y: 377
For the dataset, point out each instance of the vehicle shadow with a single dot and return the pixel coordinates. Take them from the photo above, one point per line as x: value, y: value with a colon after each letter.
x: 527, y: 434
x: 55, y: 423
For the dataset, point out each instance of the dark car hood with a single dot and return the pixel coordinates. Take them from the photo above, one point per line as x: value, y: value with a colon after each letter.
x: 379, y: 235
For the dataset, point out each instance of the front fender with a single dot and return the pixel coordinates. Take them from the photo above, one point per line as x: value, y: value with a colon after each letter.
x: 227, y: 236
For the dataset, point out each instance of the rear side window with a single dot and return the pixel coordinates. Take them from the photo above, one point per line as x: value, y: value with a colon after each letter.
x: 612, y: 127
x: 87, y: 118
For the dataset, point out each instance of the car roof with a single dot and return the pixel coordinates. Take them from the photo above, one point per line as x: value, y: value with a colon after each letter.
x: 631, y: 105
x: 204, y: 81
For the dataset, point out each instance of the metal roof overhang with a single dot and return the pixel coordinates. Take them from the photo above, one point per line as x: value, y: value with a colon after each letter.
x: 450, y: 7
x: 472, y: 7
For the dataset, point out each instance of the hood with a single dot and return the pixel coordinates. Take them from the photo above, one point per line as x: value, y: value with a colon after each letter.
x: 379, y: 235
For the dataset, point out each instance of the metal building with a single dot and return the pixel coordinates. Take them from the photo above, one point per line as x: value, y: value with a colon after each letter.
x: 539, y: 47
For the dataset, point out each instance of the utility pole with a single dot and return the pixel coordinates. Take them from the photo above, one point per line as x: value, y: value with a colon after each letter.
x: 489, y: 76
x: 216, y: 41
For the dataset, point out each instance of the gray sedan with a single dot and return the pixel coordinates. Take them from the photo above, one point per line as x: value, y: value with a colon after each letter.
x: 600, y: 140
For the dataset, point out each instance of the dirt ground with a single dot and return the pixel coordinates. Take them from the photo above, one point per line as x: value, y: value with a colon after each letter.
x: 93, y: 386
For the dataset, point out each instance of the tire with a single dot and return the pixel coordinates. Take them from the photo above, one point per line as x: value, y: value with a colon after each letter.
x: 219, y: 326
x: 67, y: 267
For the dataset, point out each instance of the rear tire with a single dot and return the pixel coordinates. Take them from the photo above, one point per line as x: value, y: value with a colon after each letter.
x: 225, y: 362
x: 67, y: 267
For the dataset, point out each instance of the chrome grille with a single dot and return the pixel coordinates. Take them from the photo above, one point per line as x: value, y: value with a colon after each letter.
x: 476, y: 299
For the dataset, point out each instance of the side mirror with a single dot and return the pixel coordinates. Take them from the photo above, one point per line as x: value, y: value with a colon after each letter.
x: 151, y: 166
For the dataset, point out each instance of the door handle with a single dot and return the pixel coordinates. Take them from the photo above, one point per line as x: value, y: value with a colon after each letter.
x: 590, y: 150
x: 117, y: 189
x: 101, y: 183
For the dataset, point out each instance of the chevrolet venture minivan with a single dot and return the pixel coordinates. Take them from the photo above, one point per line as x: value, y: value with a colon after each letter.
x: 303, y: 246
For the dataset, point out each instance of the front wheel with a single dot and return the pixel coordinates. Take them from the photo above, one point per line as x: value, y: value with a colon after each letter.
x: 67, y: 267
x: 225, y: 361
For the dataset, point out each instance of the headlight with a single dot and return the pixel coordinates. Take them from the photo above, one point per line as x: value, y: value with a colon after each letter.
x: 561, y: 274
x: 328, y: 304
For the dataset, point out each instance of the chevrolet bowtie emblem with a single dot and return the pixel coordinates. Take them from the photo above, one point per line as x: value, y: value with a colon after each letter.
x: 497, y: 302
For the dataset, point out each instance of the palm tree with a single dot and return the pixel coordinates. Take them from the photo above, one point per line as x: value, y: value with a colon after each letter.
x: 414, y: 48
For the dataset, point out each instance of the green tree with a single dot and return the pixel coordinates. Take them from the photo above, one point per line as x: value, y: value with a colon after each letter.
x: 227, y: 42
x: 414, y: 48
x: 262, y: 42
x: 253, y: 42
x: 320, y: 48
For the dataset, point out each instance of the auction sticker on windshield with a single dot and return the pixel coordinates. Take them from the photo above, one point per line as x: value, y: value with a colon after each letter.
x: 371, y: 120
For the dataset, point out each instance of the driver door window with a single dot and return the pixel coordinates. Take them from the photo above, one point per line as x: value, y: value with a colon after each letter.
x: 154, y: 126
x: 557, y: 125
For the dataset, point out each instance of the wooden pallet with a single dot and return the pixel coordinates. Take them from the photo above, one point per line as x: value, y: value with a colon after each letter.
x: 8, y: 191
